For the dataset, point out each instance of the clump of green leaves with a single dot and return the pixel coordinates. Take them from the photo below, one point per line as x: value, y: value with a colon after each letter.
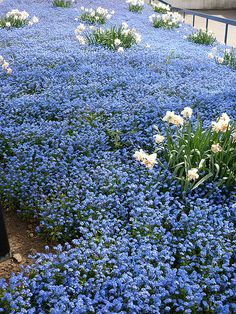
x: 115, y: 38
x: 17, y: 19
x: 202, y: 37
x: 135, y: 5
x: 193, y: 153
x: 169, y: 20
x: 161, y: 8
x: 228, y: 58
x: 63, y: 3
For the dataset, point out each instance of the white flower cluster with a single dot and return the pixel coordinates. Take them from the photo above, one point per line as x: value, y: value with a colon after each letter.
x: 170, y: 18
x: 161, y: 6
x: 126, y: 31
x: 218, y: 59
x: 97, y: 14
x: 117, y: 42
x: 139, y: 3
x: 5, y: 65
x: 81, y: 39
x: 222, y: 124
x: 148, y: 160
x: 177, y: 120
x: 15, y: 16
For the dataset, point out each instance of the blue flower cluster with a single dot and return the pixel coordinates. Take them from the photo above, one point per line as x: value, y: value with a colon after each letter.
x: 71, y: 118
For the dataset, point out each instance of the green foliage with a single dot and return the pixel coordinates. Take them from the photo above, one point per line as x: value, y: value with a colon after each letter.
x: 86, y: 17
x: 209, y: 152
x: 135, y: 8
x: 62, y: 3
x: 230, y: 58
x: 112, y: 38
x: 169, y: 20
x: 7, y: 22
x: 160, y: 9
x: 202, y: 37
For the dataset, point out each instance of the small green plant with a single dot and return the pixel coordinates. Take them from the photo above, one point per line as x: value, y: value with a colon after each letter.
x: 17, y: 19
x: 135, y: 5
x: 202, y: 37
x: 195, y: 154
x: 95, y: 16
x: 228, y: 58
x: 161, y: 8
x: 115, y: 38
x: 168, y: 21
x: 63, y: 3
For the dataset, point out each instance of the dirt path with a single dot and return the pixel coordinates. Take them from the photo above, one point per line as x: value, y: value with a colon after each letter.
x: 23, y: 241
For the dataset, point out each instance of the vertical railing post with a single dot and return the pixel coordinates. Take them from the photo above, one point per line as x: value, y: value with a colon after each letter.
x: 4, y: 244
x: 226, y: 33
x: 207, y: 20
x: 193, y: 20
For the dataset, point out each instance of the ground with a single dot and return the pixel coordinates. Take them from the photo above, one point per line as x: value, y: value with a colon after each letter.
x: 23, y: 240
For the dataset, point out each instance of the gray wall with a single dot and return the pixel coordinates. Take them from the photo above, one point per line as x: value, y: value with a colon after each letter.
x: 203, y: 4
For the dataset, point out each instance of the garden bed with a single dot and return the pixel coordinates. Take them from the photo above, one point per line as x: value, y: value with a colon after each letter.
x: 72, y: 117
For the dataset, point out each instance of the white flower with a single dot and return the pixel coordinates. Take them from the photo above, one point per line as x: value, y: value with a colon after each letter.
x: 125, y: 25
x: 25, y: 15
x: 193, y: 174
x: 168, y: 116
x: 159, y: 138
x: 172, y: 118
x: 137, y: 37
x: 210, y: 55
x: 150, y: 160
x: 81, y: 39
x: 82, y: 8
x: 187, y: 112
x: 147, y: 46
x: 139, y: 155
x: 34, y: 19
x: 117, y: 42
x: 214, y: 49
x: 120, y: 49
x: 222, y: 123
x: 225, y: 117
x: 80, y: 28
x: 220, y: 60
x: 9, y: 71
x: 177, y: 120
x: 216, y: 148
x: 5, y: 65
x: 8, y: 24
x: 1, y: 59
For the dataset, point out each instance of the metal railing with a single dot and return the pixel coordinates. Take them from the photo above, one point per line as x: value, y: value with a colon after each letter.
x: 207, y: 17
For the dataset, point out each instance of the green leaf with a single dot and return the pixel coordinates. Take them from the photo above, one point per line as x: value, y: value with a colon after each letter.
x: 206, y: 177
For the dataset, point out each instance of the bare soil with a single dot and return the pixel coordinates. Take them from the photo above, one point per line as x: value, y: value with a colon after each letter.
x: 23, y: 242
